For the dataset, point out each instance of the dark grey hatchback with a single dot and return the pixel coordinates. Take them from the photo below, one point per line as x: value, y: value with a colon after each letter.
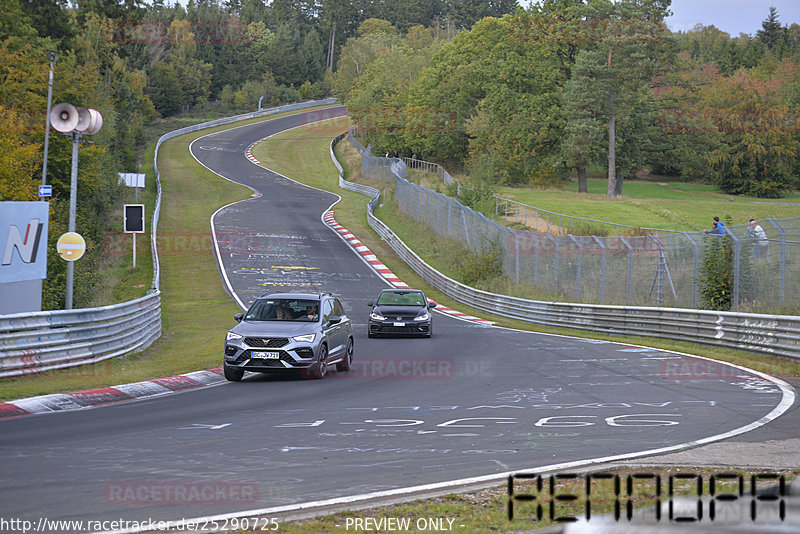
x: 290, y: 332
x: 402, y: 312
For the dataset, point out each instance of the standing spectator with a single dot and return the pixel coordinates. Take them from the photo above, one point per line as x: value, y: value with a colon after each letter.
x: 759, y: 237
x: 716, y: 227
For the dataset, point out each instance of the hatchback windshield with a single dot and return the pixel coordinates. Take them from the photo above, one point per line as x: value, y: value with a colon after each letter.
x: 401, y: 299
x: 283, y: 310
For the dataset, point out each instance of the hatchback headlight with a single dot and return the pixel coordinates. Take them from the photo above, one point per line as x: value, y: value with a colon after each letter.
x: 232, y: 336
x: 377, y: 317
x: 424, y: 317
x: 307, y: 338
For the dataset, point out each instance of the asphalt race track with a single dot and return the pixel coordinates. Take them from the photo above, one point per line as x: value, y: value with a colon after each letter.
x: 471, y: 401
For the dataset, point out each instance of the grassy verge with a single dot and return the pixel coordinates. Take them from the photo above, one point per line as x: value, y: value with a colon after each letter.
x: 196, y: 310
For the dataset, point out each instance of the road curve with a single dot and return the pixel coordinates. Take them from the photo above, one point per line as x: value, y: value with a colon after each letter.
x: 472, y: 401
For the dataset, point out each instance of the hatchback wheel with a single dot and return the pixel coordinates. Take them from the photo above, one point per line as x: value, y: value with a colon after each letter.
x: 344, y: 365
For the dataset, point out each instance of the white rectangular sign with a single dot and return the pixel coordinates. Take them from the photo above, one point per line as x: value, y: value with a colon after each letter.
x: 23, y: 241
x: 131, y: 179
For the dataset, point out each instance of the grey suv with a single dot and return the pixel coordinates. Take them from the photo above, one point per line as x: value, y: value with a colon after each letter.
x: 284, y: 332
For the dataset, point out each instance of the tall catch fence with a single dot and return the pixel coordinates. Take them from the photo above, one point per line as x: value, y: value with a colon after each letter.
x: 660, y: 268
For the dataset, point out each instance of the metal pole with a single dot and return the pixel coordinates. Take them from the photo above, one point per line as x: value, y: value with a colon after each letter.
x: 134, y: 250
x: 516, y: 256
x: 783, y: 258
x: 602, y: 268
x: 578, y: 272
x: 73, y: 204
x: 696, y: 264
x: 737, y: 252
x: 630, y: 268
x: 52, y: 56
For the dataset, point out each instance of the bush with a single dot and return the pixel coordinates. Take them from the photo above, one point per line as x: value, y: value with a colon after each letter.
x: 475, y: 268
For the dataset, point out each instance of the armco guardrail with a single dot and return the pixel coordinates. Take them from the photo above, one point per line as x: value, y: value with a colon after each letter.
x: 42, y: 341
x: 777, y: 335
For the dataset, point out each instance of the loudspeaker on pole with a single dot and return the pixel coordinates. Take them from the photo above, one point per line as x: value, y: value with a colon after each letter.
x: 64, y: 117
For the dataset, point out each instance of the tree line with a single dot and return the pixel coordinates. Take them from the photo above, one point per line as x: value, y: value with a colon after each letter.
x: 540, y: 95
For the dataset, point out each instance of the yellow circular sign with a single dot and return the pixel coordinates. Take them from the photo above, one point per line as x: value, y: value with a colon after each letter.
x: 71, y: 246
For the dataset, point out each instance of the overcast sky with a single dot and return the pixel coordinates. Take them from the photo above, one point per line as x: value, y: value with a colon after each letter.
x: 732, y: 16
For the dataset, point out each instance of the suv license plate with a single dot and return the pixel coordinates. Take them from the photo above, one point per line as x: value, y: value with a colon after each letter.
x: 266, y: 355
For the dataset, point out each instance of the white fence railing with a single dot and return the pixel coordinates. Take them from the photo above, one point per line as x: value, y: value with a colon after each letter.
x: 42, y: 341
x: 777, y: 335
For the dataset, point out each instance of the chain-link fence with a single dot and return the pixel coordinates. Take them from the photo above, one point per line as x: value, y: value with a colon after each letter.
x: 661, y: 268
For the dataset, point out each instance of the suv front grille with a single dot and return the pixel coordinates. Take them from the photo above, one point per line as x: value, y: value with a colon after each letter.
x: 266, y: 343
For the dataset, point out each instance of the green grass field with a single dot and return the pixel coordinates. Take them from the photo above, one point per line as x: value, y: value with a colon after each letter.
x: 656, y: 204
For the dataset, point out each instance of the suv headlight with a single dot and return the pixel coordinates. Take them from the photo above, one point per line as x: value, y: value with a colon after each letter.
x: 424, y: 317
x: 232, y: 336
x: 307, y: 338
x: 377, y: 317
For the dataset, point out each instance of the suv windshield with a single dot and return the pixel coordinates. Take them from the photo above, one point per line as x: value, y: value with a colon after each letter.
x: 283, y: 310
x: 394, y: 298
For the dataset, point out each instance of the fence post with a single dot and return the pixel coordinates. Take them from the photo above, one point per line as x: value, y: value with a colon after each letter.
x: 737, y: 252
x: 449, y: 210
x: 602, y: 268
x: 555, y: 260
x: 630, y: 268
x: 578, y: 272
x: 466, y: 228
x: 438, y: 228
x: 516, y: 255
x: 696, y: 265
x: 783, y: 258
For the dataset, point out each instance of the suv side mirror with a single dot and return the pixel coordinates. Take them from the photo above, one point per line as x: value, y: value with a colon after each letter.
x: 238, y: 317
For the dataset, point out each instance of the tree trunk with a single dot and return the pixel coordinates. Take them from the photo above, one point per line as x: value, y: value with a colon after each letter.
x: 582, y: 187
x: 612, y: 149
x: 331, y: 43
